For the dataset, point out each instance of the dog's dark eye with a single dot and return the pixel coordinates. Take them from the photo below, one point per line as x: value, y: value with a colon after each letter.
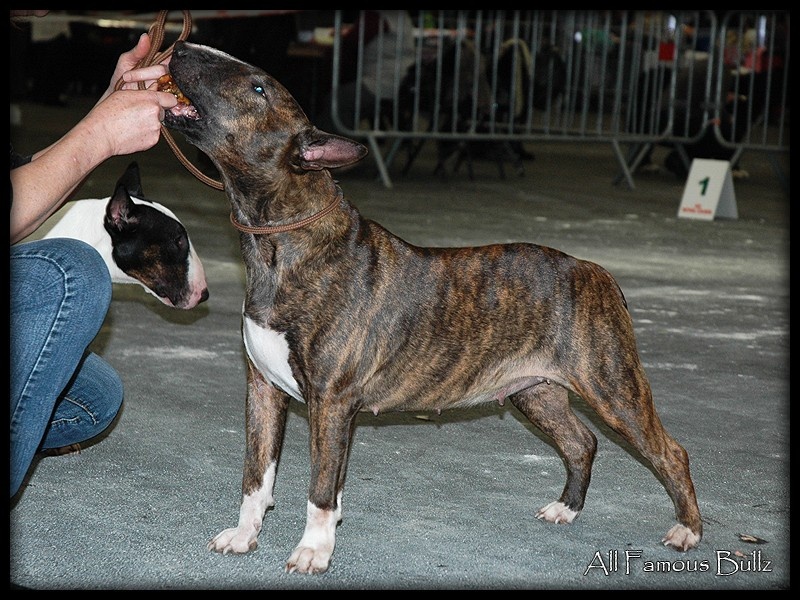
x: 181, y: 243
x: 260, y: 90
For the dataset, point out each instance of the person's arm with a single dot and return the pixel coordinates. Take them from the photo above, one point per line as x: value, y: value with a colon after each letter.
x: 122, y: 122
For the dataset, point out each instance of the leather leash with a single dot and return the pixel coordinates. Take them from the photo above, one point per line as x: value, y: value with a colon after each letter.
x: 156, y: 33
x: 288, y: 226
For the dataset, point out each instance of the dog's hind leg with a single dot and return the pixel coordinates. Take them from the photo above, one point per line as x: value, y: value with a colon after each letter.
x: 629, y: 410
x: 546, y: 405
x: 267, y: 407
x: 332, y: 424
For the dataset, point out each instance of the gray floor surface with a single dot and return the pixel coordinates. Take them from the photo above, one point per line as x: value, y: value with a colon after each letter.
x: 442, y: 501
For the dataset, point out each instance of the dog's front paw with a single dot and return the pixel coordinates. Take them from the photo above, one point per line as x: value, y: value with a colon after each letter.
x: 309, y: 560
x: 234, y: 540
x: 681, y: 538
x: 557, y: 512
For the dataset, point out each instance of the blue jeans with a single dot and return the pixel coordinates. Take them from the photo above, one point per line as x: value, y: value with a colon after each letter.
x: 61, y: 394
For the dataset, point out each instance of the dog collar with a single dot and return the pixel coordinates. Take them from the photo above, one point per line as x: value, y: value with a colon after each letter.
x: 267, y: 229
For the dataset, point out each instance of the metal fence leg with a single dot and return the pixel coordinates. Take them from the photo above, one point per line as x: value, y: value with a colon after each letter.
x: 376, y: 152
x: 626, y: 172
x: 393, y: 151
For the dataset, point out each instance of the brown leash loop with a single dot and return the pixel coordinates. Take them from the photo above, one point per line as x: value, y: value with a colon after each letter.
x: 156, y: 33
x: 288, y: 226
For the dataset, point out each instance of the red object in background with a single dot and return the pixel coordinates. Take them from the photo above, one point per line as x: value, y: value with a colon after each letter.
x: 666, y: 51
x: 756, y: 60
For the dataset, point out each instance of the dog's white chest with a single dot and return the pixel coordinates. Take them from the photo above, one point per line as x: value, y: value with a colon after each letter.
x: 269, y: 351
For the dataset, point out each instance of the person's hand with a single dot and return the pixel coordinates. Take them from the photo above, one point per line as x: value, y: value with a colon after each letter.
x: 131, y: 76
x: 128, y: 121
x: 122, y: 122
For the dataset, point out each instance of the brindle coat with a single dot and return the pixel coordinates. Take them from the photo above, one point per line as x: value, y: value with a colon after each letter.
x: 347, y: 317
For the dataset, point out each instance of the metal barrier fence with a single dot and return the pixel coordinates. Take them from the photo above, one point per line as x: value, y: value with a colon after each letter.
x: 691, y: 79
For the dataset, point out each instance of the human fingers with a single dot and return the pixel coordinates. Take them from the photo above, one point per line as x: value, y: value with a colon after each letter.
x: 128, y: 60
x: 134, y: 104
x: 129, y: 121
x: 141, y: 49
x: 147, y: 74
x: 166, y: 100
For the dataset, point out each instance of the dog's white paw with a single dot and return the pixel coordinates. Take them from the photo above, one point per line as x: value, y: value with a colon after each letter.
x: 313, y: 553
x: 557, y: 512
x: 681, y: 538
x: 234, y: 540
x: 309, y: 560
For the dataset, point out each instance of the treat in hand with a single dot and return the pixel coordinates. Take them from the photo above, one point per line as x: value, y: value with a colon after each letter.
x: 184, y: 107
x: 167, y: 84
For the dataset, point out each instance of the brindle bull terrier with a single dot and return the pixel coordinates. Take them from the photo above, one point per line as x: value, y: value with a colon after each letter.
x: 343, y: 315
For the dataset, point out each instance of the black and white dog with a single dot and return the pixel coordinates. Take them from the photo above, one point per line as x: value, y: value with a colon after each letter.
x: 140, y: 240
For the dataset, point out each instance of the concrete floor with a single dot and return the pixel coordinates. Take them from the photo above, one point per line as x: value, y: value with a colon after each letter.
x: 442, y: 501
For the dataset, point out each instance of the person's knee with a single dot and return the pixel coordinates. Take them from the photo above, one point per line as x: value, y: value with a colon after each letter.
x: 60, y: 276
x: 64, y: 257
x: 89, y: 268
x: 87, y: 281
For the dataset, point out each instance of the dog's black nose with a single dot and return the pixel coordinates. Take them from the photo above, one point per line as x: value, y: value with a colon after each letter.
x: 179, y: 48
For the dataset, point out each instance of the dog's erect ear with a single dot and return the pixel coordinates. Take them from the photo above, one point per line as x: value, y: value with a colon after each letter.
x: 121, y: 212
x: 132, y: 180
x: 319, y: 150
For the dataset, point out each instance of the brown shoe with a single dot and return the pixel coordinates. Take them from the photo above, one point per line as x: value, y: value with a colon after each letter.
x: 71, y: 449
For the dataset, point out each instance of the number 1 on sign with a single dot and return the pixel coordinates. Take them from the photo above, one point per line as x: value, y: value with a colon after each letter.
x: 708, y: 191
x: 704, y: 185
